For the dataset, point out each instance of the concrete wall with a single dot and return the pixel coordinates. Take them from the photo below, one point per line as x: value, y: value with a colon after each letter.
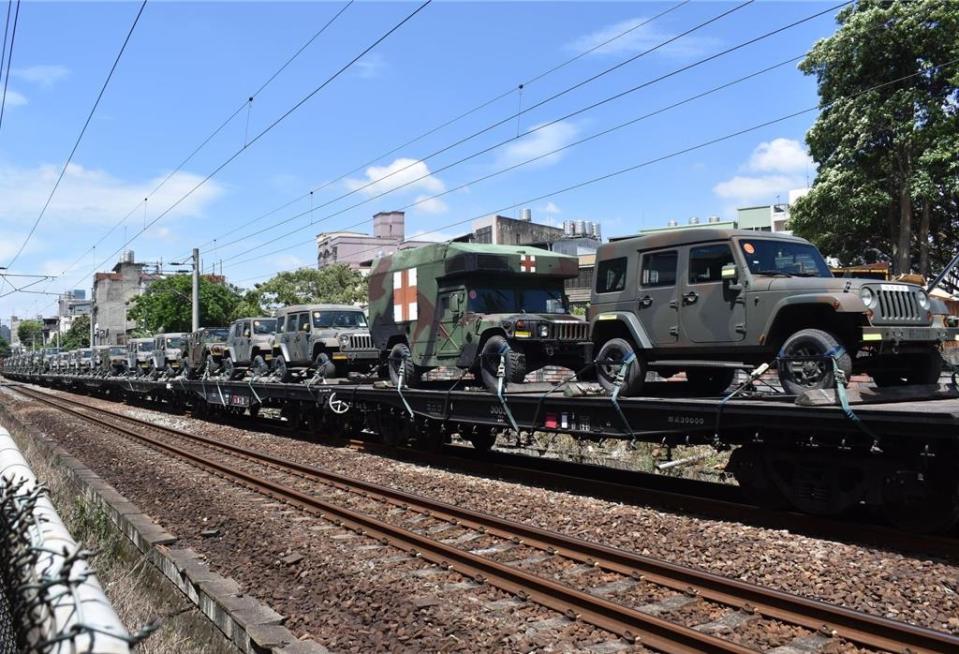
x: 112, y: 293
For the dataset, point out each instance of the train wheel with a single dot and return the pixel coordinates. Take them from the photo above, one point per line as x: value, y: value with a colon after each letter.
x: 921, y: 502
x: 482, y: 438
x: 748, y: 466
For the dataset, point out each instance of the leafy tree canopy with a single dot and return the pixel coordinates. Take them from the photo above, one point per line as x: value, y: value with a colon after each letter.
x: 888, y: 180
x: 78, y: 335
x: 166, y: 305
x: 4, y: 348
x: 337, y: 284
x: 30, y: 333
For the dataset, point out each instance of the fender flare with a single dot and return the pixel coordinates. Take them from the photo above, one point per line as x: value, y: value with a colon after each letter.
x: 284, y: 352
x: 847, y: 303
x: 627, y: 319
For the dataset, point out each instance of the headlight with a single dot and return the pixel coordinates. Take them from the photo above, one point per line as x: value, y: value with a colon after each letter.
x: 923, y: 299
x: 344, y: 339
x: 867, y: 296
x: 543, y: 331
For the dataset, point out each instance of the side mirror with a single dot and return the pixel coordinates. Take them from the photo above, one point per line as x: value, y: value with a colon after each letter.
x: 730, y: 273
x: 246, y: 333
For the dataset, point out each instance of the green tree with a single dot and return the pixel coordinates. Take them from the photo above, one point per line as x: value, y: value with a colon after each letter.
x: 78, y: 335
x: 166, y: 304
x: 30, y: 333
x: 337, y: 284
x: 4, y: 348
x: 888, y: 177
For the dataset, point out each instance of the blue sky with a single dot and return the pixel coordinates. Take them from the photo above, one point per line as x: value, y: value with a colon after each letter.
x: 190, y: 65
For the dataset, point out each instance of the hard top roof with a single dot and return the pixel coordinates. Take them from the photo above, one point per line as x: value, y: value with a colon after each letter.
x: 686, y: 236
x: 294, y: 308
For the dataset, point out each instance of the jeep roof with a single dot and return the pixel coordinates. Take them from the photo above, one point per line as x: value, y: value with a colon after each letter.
x: 461, y: 258
x: 317, y: 307
x: 685, y: 236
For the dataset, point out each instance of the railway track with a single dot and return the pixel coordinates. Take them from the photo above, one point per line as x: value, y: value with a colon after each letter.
x: 554, y: 570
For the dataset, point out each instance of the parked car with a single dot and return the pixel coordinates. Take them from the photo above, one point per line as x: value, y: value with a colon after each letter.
x: 166, y: 360
x: 249, y: 346
x: 329, y: 339
x: 204, y: 351
x: 708, y: 301
x: 140, y: 356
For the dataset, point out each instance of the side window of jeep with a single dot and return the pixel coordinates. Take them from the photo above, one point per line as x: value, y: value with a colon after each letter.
x: 706, y: 263
x: 611, y: 275
x: 658, y: 269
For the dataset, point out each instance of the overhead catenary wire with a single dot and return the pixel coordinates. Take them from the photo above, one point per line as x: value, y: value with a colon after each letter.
x: 461, y: 116
x: 83, y: 131
x: 673, y: 154
x: 216, y: 131
x: 8, y: 55
x: 532, y: 130
x: 265, y: 131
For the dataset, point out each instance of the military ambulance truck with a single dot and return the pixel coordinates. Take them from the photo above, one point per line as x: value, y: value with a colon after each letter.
x: 495, y: 310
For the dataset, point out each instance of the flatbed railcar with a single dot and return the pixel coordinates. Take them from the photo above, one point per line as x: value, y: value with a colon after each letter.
x: 901, y: 457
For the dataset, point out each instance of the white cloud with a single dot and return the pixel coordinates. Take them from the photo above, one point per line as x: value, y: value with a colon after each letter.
x: 382, y: 179
x: 780, y: 156
x: 369, y: 66
x: 640, y: 38
x: 15, y: 99
x: 748, y: 189
x: 291, y: 262
x: 539, y: 143
x: 551, y: 209
x: 94, y: 197
x: 432, y: 236
x: 42, y: 75
x: 780, y: 166
x: 428, y: 204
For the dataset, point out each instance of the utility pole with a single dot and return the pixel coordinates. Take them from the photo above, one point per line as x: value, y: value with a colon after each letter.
x: 196, y: 289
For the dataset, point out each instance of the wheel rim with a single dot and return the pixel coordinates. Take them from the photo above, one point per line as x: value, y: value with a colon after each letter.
x: 806, y: 373
x: 612, y: 363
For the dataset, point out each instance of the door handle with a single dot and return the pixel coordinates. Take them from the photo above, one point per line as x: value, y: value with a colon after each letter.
x: 691, y: 297
x: 645, y: 302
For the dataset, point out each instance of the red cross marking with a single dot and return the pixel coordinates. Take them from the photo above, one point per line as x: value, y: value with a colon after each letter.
x: 527, y: 263
x: 404, y: 295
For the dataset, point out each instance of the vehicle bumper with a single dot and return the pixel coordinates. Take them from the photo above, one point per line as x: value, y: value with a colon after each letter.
x: 909, y: 334
x: 355, y: 355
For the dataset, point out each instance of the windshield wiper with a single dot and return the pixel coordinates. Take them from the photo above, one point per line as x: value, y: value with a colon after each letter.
x: 772, y: 273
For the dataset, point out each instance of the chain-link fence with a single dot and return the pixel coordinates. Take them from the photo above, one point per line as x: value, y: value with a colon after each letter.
x: 50, y: 600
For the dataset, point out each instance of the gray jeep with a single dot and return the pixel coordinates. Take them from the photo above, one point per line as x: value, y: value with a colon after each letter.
x: 166, y: 359
x: 328, y: 339
x: 249, y: 345
x: 709, y: 301
x: 139, y: 356
x: 111, y: 360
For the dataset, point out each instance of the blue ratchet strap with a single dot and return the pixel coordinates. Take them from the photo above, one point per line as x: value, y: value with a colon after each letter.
x: 220, y: 391
x: 614, y: 398
x: 840, y: 378
x: 500, y: 375
x: 399, y: 389
x: 253, y: 390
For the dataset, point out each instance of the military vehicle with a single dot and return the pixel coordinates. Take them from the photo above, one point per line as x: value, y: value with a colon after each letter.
x: 139, y: 356
x: 100, y: 353
x: 83, y: 361
x: 249, y: 346
x: 111, y: 360
x: 709, y: 301
x: 329, y: 339
x: 204, y: 351
x: 166, y: 359
x: 481, y: 308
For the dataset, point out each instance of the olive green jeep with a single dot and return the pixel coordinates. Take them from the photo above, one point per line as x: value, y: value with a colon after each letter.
x: 708, y: 301
x: 495, y: 310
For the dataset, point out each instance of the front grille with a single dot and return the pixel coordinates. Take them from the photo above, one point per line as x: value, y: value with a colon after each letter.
x: 361, y: 342
x: 570, y: 331
x: 898, y: 305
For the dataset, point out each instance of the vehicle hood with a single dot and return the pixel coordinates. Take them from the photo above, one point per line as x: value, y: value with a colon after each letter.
x: 817, y: 284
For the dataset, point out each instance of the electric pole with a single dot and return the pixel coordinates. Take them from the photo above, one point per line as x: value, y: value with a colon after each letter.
x: 196, y: 289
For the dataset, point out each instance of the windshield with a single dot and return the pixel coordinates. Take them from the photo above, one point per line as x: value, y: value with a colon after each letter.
x: 505, y: 297
x: 174, y: 341
x: 215, y: 335
x: 145, y: 347
x: 264, y: 326
x: 774, y: 257
x: 86, y: 353
x: 117, y: 350
x: 345, y: 319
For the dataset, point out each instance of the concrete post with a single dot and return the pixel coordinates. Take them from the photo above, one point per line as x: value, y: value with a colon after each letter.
x: 196, y: 289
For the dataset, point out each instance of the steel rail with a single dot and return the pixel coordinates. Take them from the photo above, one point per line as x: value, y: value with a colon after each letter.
x: 854, y: 626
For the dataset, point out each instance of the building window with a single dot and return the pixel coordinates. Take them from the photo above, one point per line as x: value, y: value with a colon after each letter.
x: 484, y: 235
x: 659, y: 269
x: 611, y: 275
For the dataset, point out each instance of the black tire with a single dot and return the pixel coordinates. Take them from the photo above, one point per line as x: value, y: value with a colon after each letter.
x: 483, y: 438
x: 227, y: 370
x: 921, y: 368
x: 400, y: 360
x: 799, y: 376
x: 514, y: 363
x: 259, y: 366
x: 710, y: 381
x: 280, y: 371
x: 324, y: 366
x: 609, y: 362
